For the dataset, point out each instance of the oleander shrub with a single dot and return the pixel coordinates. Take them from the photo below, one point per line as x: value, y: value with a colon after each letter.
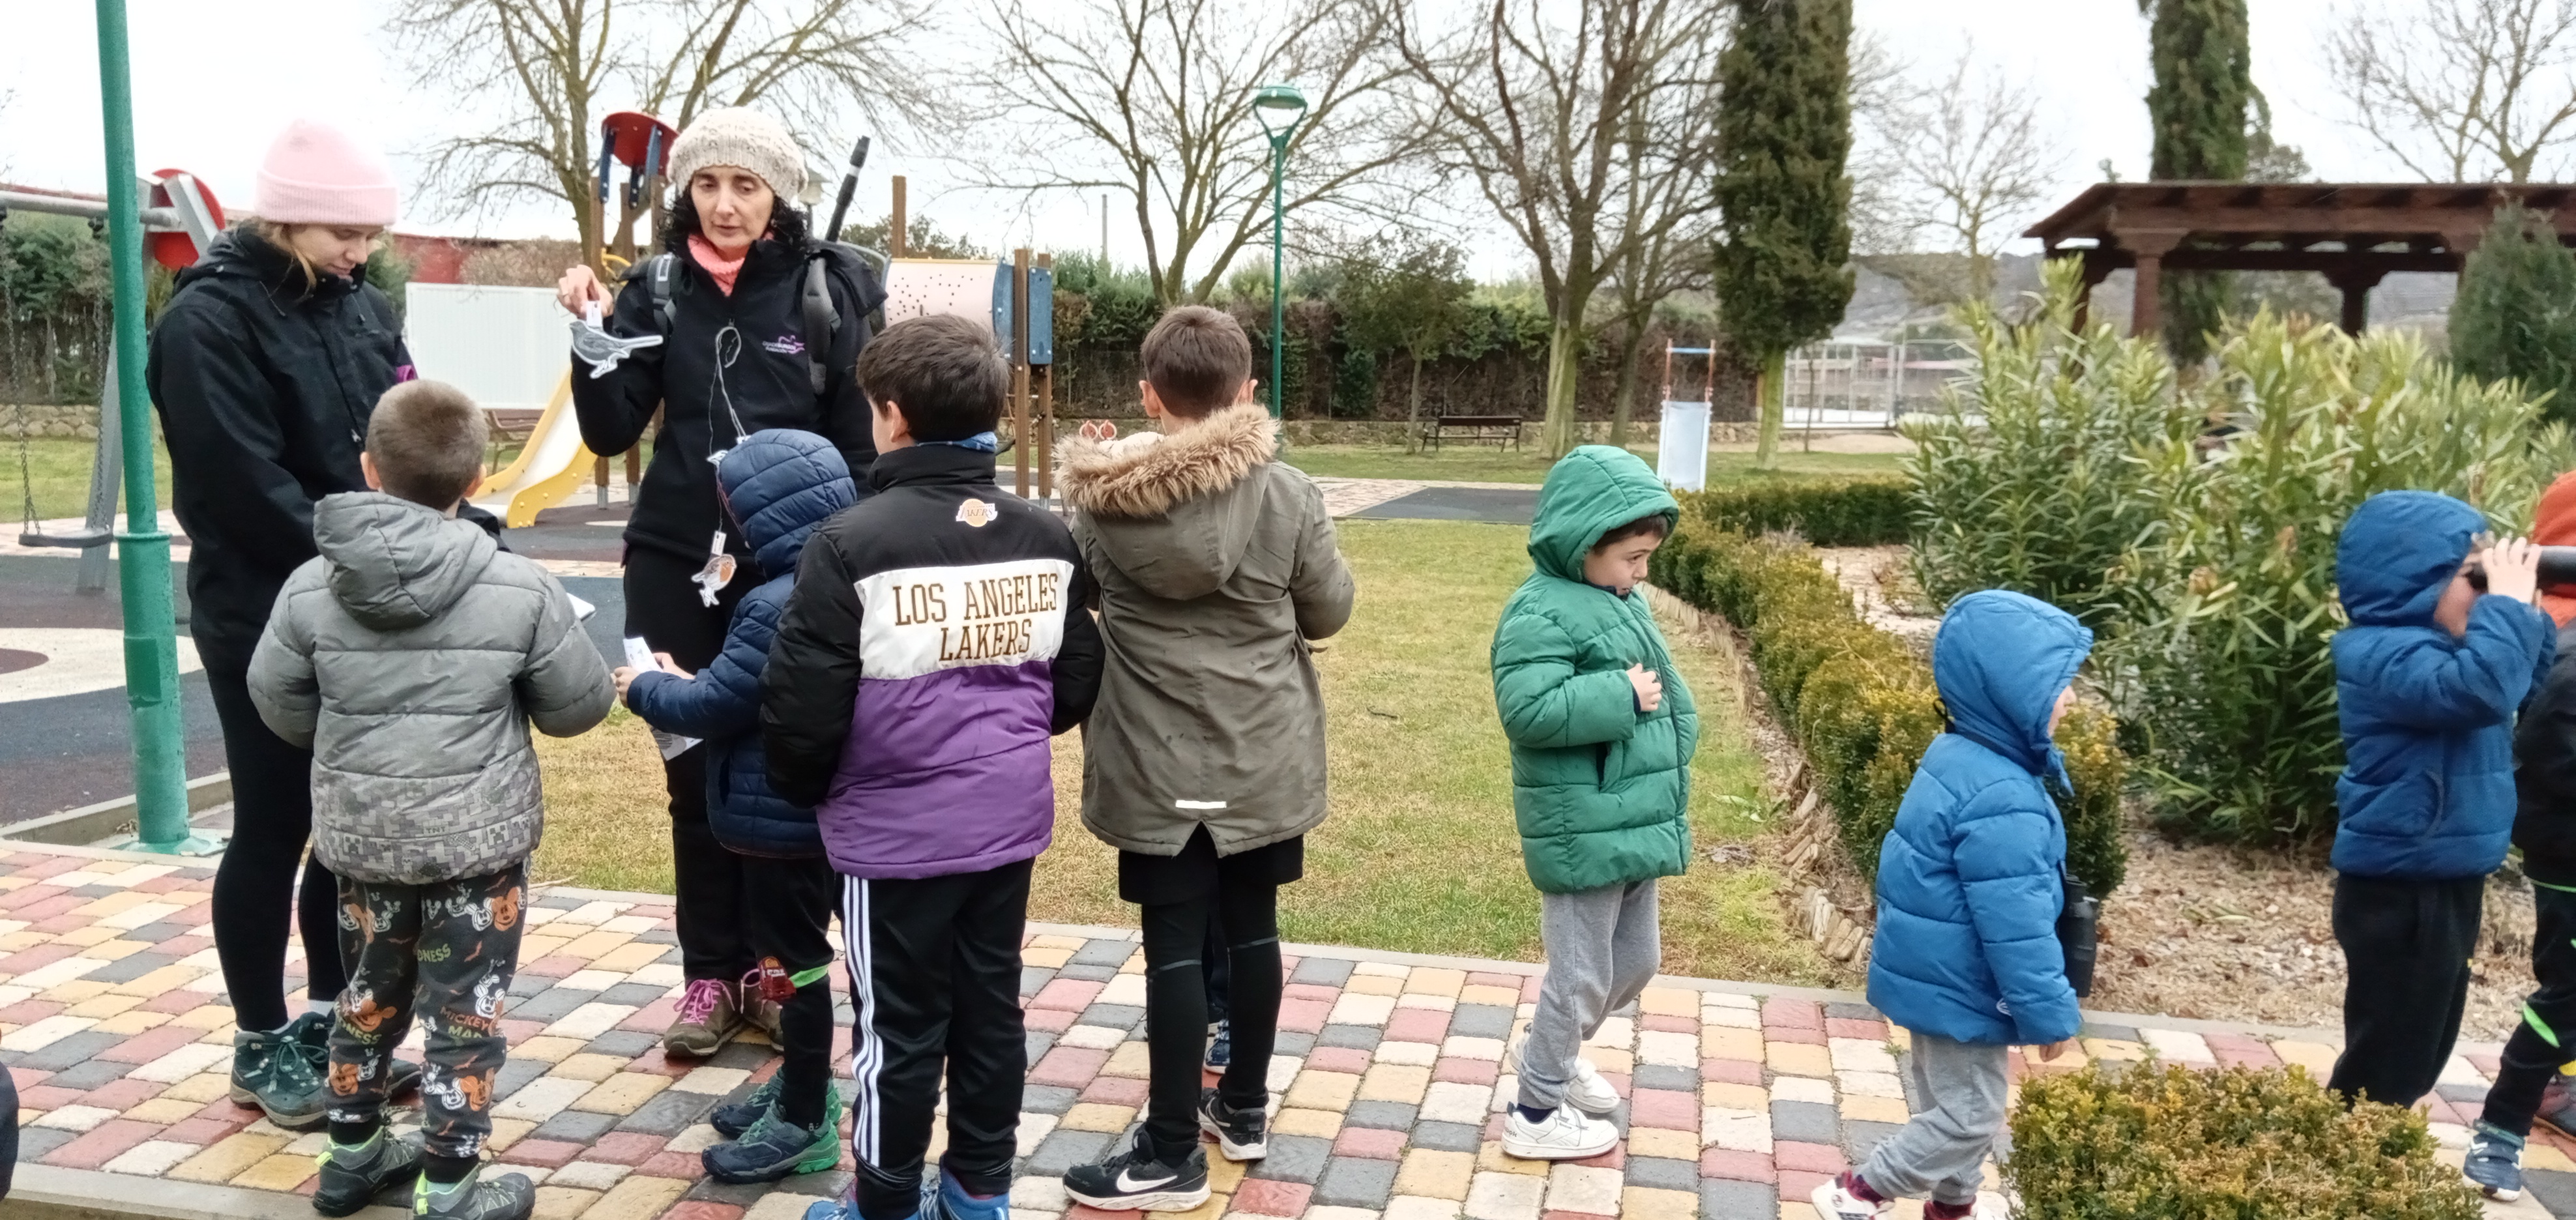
x: 1861, y: 704
x: 1825, y: 512
x: 2158, y: 1142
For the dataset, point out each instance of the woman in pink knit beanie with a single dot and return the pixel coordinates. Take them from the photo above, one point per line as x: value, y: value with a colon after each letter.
x: 265, y: 367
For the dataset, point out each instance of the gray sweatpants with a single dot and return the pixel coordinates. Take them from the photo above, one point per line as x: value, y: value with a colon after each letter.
x: 1602, y: 948
x: 1942, y: 1150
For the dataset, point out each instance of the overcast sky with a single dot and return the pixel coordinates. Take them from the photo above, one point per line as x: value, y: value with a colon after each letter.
x: 211, y: 90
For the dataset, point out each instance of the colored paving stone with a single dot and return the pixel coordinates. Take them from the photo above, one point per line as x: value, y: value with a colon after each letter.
x: 1390, y: 1074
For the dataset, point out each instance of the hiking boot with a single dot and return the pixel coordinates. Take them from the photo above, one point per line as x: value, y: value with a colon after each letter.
x: 1133, y: 1179
x: 2494, y: 1163
x: 2558, y: 1105
x: 1221, y: 1047
x: 272, y: 1071
x: 1845, y: 1197
x: 1585, y: 1090
x: 1241, y: 1135
x: 730, y: 1121
x: 508, y: 1197
x: 710, y: 1015
x: 1566, y: 1134
x: 313, y: 1032
x: 774, y: 1148
x: 352, y: 1175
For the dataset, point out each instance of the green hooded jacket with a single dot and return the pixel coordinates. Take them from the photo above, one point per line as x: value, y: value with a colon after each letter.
x: 1601, y: 790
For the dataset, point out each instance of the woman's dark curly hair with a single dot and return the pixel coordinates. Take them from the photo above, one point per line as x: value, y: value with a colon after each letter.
x: 787, y: 222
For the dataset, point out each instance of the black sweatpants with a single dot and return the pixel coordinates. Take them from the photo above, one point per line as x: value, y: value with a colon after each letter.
x: 2546, y: 1039
x: 444, y: 952
x: 256, y: 897
x: 2406, y: 949
x: 787, y: 914
x: 935, y: 978
x: 707, y: 880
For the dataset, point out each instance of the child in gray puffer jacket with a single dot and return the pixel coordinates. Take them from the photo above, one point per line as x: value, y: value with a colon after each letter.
x: 410, y: 657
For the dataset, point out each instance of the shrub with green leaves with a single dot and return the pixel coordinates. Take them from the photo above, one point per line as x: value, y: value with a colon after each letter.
x: 2515, y: 315
x: 2162, y: 1142
x: 1825, y: 512
x: 1860, y: 703
x: 2027, y: 477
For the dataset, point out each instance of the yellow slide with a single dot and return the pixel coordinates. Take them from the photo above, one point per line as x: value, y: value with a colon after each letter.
x: 549, y: 467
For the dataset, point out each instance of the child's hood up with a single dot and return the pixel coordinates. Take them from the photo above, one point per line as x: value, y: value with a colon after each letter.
x: 780, y: 485
x: 1590, y: 492
x: 2398, y: 552
x: 396, y: 564
x: 2000, y: 660
x: 1158, y: 502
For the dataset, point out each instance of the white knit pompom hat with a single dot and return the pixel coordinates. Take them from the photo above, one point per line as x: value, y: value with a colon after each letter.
x: 745, y: 138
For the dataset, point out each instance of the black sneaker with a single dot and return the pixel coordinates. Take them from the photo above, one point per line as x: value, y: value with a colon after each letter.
x: 1220, y: 1053
x: 312, y: 1031
x: 1242, y: 1135
x: 1130, y: 1179
x: 352, y: 1177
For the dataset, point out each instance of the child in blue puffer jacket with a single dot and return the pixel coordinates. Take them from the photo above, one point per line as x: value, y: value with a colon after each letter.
x: 2427, y: 680
x: 778, y: 486
x: 1970, y: 883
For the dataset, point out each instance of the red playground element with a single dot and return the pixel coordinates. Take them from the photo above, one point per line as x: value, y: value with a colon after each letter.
x: 170, y: 248
x: 638, y: 141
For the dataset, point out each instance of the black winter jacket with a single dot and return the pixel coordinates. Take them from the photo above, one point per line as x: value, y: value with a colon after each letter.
x: 264, y: 390
x: 769, y: 381
x: 2544, y: 773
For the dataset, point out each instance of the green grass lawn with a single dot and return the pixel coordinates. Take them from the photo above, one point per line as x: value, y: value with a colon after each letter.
x: 1419, y: 853
x: 59, y: 470
x: 1486, y: 464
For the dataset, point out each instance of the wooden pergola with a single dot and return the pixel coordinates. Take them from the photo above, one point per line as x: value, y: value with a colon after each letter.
x: 2355, y: 233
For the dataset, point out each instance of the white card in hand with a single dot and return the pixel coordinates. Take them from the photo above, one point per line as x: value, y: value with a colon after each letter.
x: 639, y: 655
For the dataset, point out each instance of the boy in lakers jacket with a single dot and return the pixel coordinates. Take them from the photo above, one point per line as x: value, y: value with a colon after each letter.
x: 936, y: 640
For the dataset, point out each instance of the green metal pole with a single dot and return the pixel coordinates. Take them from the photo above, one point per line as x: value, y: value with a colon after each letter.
x: 1278, y: 286
x: 143, y: 551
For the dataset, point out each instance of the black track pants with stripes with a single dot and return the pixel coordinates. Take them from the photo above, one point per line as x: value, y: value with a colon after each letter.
x: 935, y: 979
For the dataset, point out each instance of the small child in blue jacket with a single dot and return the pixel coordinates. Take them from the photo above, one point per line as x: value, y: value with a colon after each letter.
x: 778, y: 486
x: 2427, y: 680
x: 1970, y: 883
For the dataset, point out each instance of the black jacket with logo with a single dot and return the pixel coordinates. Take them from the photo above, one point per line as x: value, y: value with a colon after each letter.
x: 2544, y: 772
x: 757, y: 333
x: 264, y: 389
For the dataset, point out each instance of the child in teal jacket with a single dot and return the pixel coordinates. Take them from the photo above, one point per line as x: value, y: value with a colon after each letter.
x: 1602, y: 731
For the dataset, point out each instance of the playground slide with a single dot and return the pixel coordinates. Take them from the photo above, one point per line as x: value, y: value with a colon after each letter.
x: 552, y: 464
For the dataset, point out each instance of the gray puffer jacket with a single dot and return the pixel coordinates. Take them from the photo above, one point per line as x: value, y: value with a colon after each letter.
x: 410, y: 658
x: 1215, y: 565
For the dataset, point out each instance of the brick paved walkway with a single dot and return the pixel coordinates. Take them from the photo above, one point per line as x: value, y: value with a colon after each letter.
x: 1740, y: 1098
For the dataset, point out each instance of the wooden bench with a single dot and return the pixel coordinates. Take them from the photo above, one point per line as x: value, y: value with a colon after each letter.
x: 1503, y: 430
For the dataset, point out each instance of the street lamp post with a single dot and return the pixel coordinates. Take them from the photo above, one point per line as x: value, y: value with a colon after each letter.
x: 1278, y: 107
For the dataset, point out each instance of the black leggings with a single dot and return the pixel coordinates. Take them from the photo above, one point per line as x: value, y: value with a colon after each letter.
x: 707, y: 880
x: 255, y: 890
x: 1176, y: 1005
x: 787, y: 910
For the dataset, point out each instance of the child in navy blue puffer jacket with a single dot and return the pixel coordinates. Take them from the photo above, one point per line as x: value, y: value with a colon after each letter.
x: 778, y: 485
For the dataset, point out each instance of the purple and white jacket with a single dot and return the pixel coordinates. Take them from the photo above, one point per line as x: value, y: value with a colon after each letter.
x: 936, y: 640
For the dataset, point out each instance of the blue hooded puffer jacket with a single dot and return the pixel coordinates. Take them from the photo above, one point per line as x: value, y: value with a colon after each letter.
x: 2427, y: 786
x: 778, y: 485
x: 1971, y: 878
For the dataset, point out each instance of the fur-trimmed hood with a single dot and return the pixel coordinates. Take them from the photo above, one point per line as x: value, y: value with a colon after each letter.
x: 1176, y: 511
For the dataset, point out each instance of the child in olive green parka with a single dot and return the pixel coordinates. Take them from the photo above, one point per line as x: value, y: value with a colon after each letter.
x: 1602, y: 731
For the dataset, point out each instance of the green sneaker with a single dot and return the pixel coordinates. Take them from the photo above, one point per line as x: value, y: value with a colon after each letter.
x: 352, y: 1176
x: 731, y: 1121
x: 508, y: 1197
x: 272, y: 1071
x: 775, y: 1148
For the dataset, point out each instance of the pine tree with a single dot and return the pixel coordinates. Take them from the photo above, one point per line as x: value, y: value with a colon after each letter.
x: 2515, y: 315
x: 1782, y: 270
x: 2202, y: 51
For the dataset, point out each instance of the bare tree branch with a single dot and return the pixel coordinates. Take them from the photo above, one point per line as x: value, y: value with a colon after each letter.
x: 1963, y: 162
x: 2461, y: 90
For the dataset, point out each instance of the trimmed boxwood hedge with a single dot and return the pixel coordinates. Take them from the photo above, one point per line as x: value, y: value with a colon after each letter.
x: 1861, y: 703
x: 1826, y: 512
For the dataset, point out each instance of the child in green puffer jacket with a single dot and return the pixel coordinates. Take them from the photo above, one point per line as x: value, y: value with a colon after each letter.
x: 1602, y: 731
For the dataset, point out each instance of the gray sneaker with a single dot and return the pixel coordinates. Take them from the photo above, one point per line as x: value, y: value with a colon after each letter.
x: 508, y: 1197
x: 710, y: 1015
x: 272, y: 1071
x: 352, y: 1177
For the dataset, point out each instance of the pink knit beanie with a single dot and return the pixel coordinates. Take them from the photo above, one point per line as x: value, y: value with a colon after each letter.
x: 316, y: 174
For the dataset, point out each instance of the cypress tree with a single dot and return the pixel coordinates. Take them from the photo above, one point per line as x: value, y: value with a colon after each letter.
x: 2515, y: 315
x: 2202, y: 51
x: 1782, y: 271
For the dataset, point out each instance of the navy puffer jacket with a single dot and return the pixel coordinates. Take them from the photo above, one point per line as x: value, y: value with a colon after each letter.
x: 778, y: 486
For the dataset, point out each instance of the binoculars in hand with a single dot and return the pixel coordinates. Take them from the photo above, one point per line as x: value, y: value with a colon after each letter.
x: 2557, y: 568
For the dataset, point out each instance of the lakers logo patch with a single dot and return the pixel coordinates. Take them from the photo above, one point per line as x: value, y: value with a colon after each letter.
x: 977, y: 513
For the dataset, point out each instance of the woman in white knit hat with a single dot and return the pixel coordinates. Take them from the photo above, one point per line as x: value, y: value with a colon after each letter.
x: 740, y: 352
x: 265, y: 367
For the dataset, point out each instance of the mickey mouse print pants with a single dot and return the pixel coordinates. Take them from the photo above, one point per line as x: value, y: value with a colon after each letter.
x: 445, y: 951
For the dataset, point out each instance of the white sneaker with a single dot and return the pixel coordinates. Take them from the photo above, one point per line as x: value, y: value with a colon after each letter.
x: 1566, y: 1134
x: 1832, y: 1202
x: 1587, y: 1091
